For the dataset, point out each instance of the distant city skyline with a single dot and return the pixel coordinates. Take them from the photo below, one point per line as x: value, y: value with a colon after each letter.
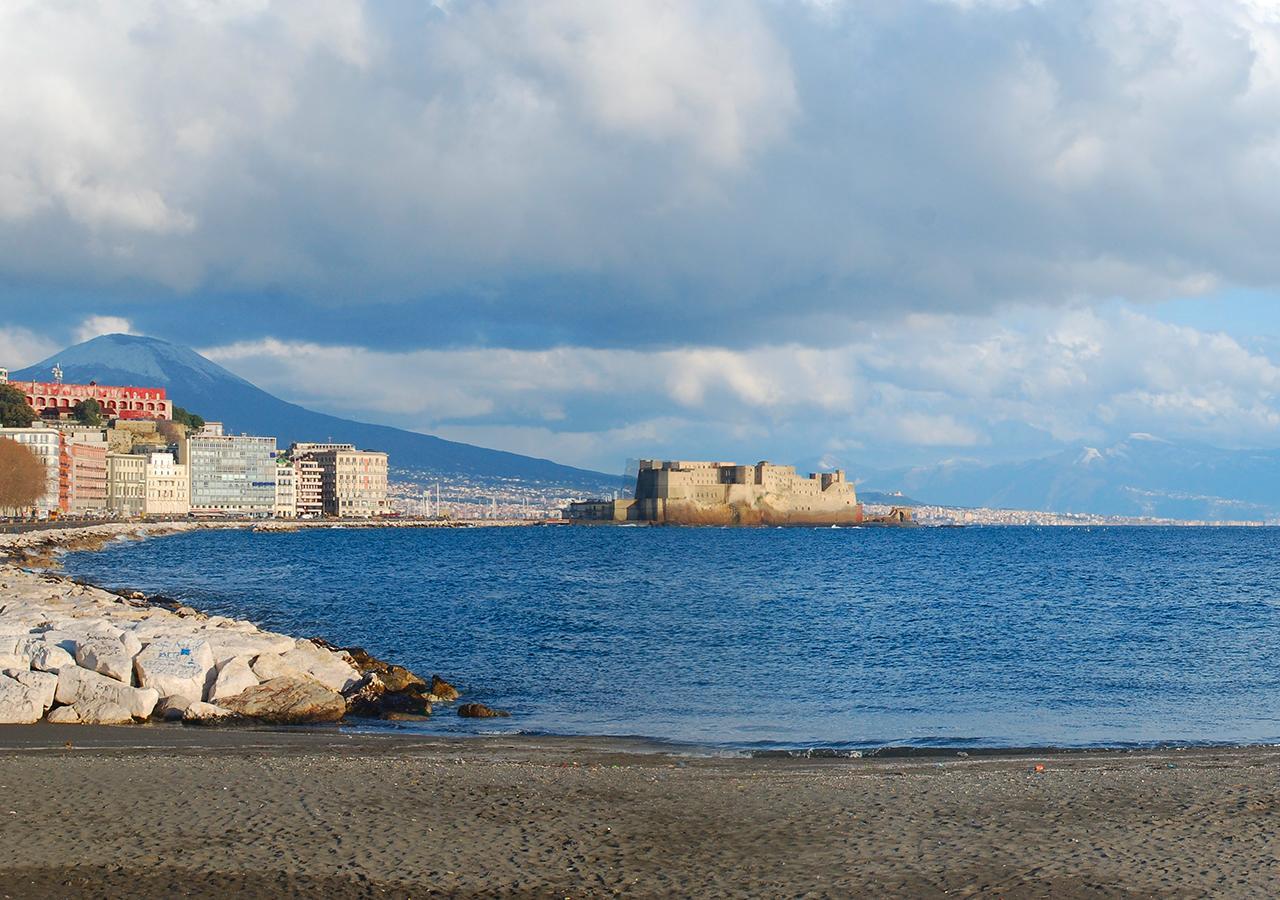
x: 884, y: 233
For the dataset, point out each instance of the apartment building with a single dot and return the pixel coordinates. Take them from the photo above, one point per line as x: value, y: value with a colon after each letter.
x: 286, y: 489
x: 309, y: 488
x: 353, y: 482
x: 168, y: 486
x: 126, y: 483
x: 231, y: 475
x: 46, y: 444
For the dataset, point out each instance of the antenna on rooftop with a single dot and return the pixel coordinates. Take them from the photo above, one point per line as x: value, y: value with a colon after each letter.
x: 57, y: 373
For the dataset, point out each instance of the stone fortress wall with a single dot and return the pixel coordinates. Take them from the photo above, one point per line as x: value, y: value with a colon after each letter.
x: 682, y: 492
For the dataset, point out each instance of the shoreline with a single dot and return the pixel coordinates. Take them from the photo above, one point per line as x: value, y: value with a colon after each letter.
x: 218, y: 812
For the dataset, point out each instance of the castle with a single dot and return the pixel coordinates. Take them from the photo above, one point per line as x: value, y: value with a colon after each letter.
x: 680, y: 492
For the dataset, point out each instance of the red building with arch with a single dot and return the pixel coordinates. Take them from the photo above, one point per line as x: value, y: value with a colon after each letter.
x: 51, y: 399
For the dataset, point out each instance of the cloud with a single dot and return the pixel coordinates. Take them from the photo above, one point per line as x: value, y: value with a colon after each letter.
x: 20, y: 348
x: 900, y: 393
x: 652, y: 173
x: 94, y: 326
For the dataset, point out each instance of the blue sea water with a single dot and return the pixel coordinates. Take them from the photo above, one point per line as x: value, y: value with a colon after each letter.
x: 780, y: 638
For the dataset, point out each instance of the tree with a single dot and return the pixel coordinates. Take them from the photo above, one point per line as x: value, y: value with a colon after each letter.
x: 22, y: 476
x: 88, y: 412
x: 184, y: 417
x: 15, y: 412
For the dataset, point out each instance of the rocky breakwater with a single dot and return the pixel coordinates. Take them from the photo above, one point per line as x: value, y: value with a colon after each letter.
x: 73, y: 653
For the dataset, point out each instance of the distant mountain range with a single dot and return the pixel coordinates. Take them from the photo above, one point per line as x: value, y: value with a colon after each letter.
x: 1139, y: 476
x: 204, y: 387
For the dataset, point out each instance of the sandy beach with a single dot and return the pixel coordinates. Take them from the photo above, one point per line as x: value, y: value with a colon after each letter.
x: 164, y: 811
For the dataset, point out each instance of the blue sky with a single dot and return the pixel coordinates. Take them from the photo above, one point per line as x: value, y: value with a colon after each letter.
x: 877, y: 232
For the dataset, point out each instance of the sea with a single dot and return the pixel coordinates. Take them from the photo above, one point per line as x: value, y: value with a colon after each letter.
x: 765, y: 640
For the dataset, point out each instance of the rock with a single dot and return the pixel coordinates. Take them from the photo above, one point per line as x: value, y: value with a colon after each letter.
x: 81, y: 687
x: 63, y: 715
x: 171, y: 708
x: 363, y: 662
x: 480, y: 711
x: 12, y: 661
x: 398, y: 678
x: 42, y: 684
x: 289, y: 701
x: 199, y: 713
x: 325, y: 667
x: 19, y: 705
x: 132, y: 645
x: 103, y: 712
x: 106, y: 656
x: 406, y: 703
x: 272, y: 665
x: 228, y: 645
x: 443, y: 690
x: 175, y: 666
x: 365, y: 699
x: 46, y: 657
x: 234, y: 677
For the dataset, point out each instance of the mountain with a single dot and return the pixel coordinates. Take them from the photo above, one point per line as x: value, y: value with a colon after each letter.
x: 1139, y: 476
x: 204, y: 387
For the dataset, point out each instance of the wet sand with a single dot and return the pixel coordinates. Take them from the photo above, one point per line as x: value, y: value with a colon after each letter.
x: 171, y: 811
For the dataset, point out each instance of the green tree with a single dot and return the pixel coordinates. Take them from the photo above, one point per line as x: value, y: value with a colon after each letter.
x: 185, y: 417
x: 15, y: 412
x: 88, y: 412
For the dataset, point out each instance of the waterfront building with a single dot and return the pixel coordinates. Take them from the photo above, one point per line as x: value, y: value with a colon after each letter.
x: 720, y: 493
x: 231, y: 475
x: 4, y: 375
x: 168, y: 486
x: 211, y: 429
x: 46, y: 444
x: 308, y: 488
x: 126, y: 483
x: 353, y: 482
x: 83, y: 476
x: 52, y: 399
x: 286, y: 489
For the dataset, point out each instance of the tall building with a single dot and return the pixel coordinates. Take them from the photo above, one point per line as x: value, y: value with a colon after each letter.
x: 46, y: 444
x: 308, y: 488
x: 52, y: 399
x: 126, y: 483
x: 83, y: 476
x: 353, y: 482
x: 286, y: 489
x: 168, y: 487
x: 231, y: 475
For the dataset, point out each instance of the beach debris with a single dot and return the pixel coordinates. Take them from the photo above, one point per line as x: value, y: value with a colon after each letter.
x: 289, y: 701
x: 1038, y: 768
x: 480, y: 711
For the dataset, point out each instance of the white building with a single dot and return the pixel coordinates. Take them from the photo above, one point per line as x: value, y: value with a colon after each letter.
x: 46, y: 444
x: 126, y: 483
x: 168, y: 486
x: 286, y: 490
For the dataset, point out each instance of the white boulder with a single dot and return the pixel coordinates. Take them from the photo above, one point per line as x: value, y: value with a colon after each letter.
x: 46, y: 657
x: 230, y: 644
x: 328, y: 668
x: 273, y: 665
x: 107, y: 656
x: 103, y: 712
x: 171, y: 708
x: 234, y: 677
x: 63, y: 715
x: 178, y: 666
x: 81, y: 687
x: 42, y: 685
x: 19, y: 705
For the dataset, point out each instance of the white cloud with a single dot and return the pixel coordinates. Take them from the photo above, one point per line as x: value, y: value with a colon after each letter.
x: 95, y: 326
x: 20, y: 348
x: 928, y: 382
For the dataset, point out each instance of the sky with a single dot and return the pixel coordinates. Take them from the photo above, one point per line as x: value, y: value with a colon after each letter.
x: 856, y: 232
